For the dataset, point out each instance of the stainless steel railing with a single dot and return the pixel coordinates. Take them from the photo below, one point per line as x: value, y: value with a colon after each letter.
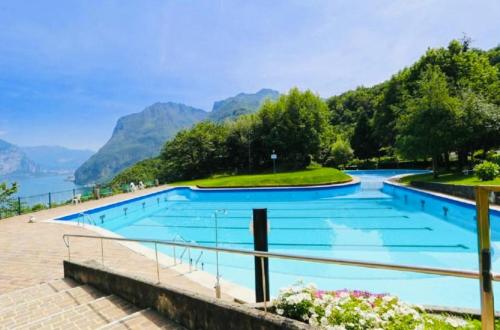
x: 345, y: 262
x: 263, y: 255
x: 89, y: 218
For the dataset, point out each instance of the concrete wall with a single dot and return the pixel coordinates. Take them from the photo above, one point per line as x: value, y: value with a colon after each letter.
x: 450, y: 189
x: 189, y: 309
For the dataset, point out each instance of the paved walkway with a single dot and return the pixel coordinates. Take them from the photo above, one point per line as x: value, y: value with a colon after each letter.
x: 32, y: 253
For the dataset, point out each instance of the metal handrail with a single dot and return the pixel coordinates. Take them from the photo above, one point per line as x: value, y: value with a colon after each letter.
x: 198, y: 260
x: 261, y: 254
x: 90, y: 219
x: 177, y: 236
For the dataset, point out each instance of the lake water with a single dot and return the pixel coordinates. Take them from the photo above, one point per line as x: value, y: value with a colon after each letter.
x: 29, y: 186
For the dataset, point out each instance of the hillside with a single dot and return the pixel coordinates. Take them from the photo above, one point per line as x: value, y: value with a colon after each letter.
x: 136, y: 137
x: 240, y: 104
x: 13, y: 161
x: 56, y: 158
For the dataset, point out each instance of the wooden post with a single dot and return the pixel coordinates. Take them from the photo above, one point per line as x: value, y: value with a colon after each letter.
x: 484, y: 252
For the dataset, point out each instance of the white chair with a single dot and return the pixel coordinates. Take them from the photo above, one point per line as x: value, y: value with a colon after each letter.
x: 141, y: 185
x: 77, y: 199
x: 133, y: 187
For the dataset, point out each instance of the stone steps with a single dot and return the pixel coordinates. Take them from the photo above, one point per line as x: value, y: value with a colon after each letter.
x: 45, y: 305
x: 63, y: 304
x: 23, y: 295
x: 143, y: 319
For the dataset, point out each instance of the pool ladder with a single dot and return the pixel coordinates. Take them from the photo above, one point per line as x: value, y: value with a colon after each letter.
x: 178, y: 238
x: 90, y: 219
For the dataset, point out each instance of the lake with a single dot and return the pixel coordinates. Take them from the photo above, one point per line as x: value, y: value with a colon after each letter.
x: 29, y: 186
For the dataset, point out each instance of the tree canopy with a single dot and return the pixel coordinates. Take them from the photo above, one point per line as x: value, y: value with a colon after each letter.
x: 446, y: 102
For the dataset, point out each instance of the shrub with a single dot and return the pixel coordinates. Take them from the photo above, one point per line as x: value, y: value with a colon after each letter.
x: 494, y: 157
x: 355, y: 310
x: 340, y: 153
x: 487, y: 170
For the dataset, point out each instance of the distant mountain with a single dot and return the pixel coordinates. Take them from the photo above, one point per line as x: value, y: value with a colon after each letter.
x: 240, y: 104
x: 136, y: 137
x: 13, y: 161
x: 57, y: 159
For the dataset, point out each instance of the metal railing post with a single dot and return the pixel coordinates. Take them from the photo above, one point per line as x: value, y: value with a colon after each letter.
x: 50, y: 200
x: 69, y: 251
x: 175, y: 257
x: 102, y: 251
x: 157, y: 264
x: 262, y: 269
x: 484, y: 253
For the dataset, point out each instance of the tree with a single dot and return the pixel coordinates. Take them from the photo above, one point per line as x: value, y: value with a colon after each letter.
x: 294, y: 126
x: 242, y: 143
x: 429, y: 126
x: 478, y: 125
x: 195, y: 153
x: 145, y: 170
x: 340, y: 153
x: 362, y: 140
x: 6, y: 193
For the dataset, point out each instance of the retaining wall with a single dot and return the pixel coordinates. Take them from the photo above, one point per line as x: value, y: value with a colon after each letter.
x: 451, y: 189
x: 188, y: 309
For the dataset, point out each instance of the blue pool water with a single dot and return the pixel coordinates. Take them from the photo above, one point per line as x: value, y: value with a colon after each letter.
x: 369, y: 221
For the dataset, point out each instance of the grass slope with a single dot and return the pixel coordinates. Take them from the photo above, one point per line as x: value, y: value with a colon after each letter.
x: 450, y: 178
x: 309, y: 176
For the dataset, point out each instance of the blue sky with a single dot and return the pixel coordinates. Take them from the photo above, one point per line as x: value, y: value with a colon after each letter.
x: 70, y: 69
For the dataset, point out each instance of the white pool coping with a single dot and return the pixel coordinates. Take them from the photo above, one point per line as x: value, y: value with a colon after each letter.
x: 198, y: 276
x: 393, y: 181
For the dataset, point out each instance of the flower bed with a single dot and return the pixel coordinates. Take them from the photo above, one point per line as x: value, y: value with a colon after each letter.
x: 353, y: 310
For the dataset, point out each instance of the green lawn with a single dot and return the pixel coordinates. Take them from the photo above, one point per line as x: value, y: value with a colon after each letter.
x: 451, y: 178
x: 309, y: 176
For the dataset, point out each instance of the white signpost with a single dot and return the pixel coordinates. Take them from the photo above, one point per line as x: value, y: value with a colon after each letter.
x: 274, y: 156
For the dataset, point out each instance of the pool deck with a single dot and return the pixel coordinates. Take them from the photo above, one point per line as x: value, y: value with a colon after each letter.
x: 33, y: 253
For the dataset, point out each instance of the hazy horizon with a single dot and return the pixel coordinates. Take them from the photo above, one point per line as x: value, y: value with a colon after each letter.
x: 70, y: 70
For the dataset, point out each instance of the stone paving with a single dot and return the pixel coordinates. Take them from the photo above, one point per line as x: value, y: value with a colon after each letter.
x: 33, y: 253
x: 31, y: 271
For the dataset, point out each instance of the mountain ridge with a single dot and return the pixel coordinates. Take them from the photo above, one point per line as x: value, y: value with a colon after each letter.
x: 241, y: 104
x: 136, y: 137
x: 13, y: 161
x: 129, y: 145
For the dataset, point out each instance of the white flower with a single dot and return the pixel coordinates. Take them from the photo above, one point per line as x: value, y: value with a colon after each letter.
x: 336, y: 327
x: 455, y: 322
x: 280, y: 311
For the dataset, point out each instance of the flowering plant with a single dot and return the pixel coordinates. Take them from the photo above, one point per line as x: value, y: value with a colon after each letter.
x: 356, y: 310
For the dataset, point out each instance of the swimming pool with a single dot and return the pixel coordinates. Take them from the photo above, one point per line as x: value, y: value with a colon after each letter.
x: 371, y: 221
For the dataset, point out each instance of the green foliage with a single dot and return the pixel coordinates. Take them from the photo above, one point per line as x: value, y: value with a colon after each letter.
x: 362, y: 141
x: 450, y: 178
x: 294, y: 127
x: 195, y: 153
x: 428, y: 128
x: 6, y: 192
x: 494, y: 157
x: 146, y: 170
x: 448, y: 102
x: 8, y: 206
x: 472, y: 80
x: 359, y: 310
x: 310, y: 176
x: 487, y: 170
x: 340, y: 153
